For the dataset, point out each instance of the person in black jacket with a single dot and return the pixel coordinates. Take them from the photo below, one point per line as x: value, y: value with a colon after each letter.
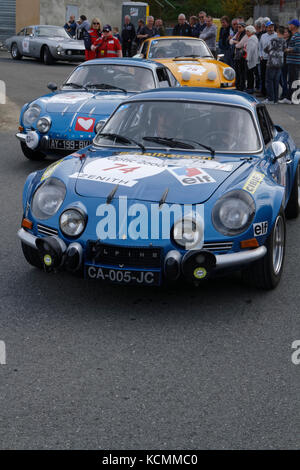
x: 128, y: 36
x: 182, y: 28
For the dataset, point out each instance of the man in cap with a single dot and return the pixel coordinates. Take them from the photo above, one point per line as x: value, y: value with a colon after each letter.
x: 107, y: 45
x: 293, y: 59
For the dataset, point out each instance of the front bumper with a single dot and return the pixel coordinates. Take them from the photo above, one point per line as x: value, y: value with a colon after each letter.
x: 21, y: 137
x: 223, y: 261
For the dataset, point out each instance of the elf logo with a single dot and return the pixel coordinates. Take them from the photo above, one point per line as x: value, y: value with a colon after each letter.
x: 260, y: 229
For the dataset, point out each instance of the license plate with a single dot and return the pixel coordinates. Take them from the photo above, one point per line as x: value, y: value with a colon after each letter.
x: 123, y: 276
x: 57, y: 144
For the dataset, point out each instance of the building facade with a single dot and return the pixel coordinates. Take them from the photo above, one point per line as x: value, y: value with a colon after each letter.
x: 280, y: 11
x: 15, y: 14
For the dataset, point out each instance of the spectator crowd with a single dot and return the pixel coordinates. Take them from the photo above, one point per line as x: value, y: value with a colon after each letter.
x: 264, y: 55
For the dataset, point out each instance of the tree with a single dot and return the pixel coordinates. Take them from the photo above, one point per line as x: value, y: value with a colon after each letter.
x: 233, y: 8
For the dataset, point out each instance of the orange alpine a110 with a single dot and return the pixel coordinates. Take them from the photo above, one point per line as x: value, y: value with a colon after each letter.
x: 190, y: 61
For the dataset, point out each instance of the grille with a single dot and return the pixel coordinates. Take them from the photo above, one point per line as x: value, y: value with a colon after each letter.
x: 100, y: 253
x: 47, y: 230
x: 75, y: 52
x: 218, y: 246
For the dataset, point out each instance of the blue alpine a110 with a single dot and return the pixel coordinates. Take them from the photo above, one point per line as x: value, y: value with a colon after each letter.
x: 180, y: 184
x: 66, y: 120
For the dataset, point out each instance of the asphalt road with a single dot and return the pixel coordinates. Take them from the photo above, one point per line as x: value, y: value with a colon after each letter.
x: 102, y: 367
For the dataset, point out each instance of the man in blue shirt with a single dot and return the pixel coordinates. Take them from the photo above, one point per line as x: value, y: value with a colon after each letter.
x: 293, y: 59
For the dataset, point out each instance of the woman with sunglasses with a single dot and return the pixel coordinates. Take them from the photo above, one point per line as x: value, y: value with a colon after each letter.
x: 91, y: 37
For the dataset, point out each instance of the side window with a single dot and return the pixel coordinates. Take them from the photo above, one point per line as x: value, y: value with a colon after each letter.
x: 21, y: 33
x: 163, y: 78
x: 29, y: 31
x: 172, y: 79
x: 264, y: 125
x: 144, y: 49
x: 269, y: 121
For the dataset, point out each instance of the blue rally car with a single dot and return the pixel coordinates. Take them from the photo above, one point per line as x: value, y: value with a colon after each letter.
x: 66, y: 120
x: 179, y: 184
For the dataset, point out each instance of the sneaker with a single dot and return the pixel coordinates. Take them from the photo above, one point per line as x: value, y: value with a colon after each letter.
x: 275, y: 102
x: 285, y: 101
x: 267, y: 101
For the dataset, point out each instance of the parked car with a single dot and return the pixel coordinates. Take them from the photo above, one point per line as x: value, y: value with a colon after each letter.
x: 190, y: 61
x: 68, y: 119
x: 46, y: 43
x: 180, y: 184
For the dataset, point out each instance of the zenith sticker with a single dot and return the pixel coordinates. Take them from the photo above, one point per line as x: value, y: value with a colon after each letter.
x: 73, y: 97
x: 190, y: 176
x: 260, y: 228
x: 50, y: 169
x: 85, y: 124
x: 253, y: 182
x: 194, y: 69
x: 107, y: 170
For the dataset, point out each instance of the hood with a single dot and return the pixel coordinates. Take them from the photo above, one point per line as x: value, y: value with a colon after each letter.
x: 199, y: 71
x: 185, y: 178
x: 85, y: 102
x: 65, y: 42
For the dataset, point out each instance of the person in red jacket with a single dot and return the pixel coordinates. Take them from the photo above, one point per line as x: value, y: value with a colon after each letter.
x: 90, y: 37
x: 107, y: 45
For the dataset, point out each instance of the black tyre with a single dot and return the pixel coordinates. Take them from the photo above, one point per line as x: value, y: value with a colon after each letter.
x: 32, y: 256
x: 47, y: 56
x: 266, y: 272
x: 32, y: 154
x: 14, y: 52
x: 293, y: 206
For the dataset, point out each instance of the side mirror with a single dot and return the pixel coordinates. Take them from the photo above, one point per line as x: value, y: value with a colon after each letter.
x: 279, y: 150
x: 138, y: 56
x: 52, y: 86
x: 220, y: 56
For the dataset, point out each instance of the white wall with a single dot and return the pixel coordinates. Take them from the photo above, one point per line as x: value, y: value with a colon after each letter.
x: 54, y: 11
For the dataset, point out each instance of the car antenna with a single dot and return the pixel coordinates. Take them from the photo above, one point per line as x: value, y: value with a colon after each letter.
x: 164, y: 197
x: 111, y: 194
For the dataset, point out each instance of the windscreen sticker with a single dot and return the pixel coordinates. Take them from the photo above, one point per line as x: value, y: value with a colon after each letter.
x: 191, y: 176
x: 74, y: 97
x: 85, y: 124
x: 253, y: 182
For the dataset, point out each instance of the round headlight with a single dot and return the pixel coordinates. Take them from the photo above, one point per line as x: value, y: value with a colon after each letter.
x: 43, y: 125
x: 72, y: 222
x: 188, y: 232
x: 233, y: 213
x: 99, y: 126
x: 48, y: 198
x: 31, y: 114
x: 229, y: 74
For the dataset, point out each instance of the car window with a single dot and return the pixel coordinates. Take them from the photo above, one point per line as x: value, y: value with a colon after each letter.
x: 172, y: 79
x: 166, y: 48
x: 132, y: 79
x: 163, y: 77
x: 264, y: 124
x: 50, y: 31
x: 144, y: 49
x: 21, y: 33
x: 29, y: 31
x: 224, y: 128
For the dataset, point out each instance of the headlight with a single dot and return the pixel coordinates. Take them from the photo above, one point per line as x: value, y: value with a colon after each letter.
x: 229, y: 73
x: 99, y: 125
x: 31, y: 114
x: 233, y: 213
x: 44, y: 124
x: 72, y: 222
x: 60, y: 49
x: 48, y: 198
x: 188, y: 232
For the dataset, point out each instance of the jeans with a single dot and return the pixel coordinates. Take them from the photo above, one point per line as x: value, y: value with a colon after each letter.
x: 284, y: 81
x: 250, y: 77
x: 272, y: 83
x: 240, y: 69
x: 263, y: 67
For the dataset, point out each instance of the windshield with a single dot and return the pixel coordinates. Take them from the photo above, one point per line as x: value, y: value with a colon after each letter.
x: 221, y: 127
x: 51, y: 31
x: 165, y: 48
x: 128, y: 78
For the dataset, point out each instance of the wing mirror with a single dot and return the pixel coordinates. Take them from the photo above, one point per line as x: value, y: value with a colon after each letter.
x: 279, y: 150
x: 52, y: 86
x: 220, y: 56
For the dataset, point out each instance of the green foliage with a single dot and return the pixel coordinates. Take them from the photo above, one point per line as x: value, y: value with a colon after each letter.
x: 188, y: 7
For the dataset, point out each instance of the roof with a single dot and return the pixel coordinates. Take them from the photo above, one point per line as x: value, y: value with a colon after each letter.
x: 124, y: 61
x: 215, y: 95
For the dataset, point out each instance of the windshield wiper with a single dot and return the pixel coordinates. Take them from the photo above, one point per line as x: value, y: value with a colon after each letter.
x: 177, y: 143
x: 105, y: 86
x: 75, y: 85
x: 122, y: 138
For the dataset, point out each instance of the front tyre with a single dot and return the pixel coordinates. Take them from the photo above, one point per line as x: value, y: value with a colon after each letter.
x: 14, y: 52
x: 47, y: 56
x: 293, y: 206
x: 32, y: 256
x: 32, y: 154
x: 266, y: 272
